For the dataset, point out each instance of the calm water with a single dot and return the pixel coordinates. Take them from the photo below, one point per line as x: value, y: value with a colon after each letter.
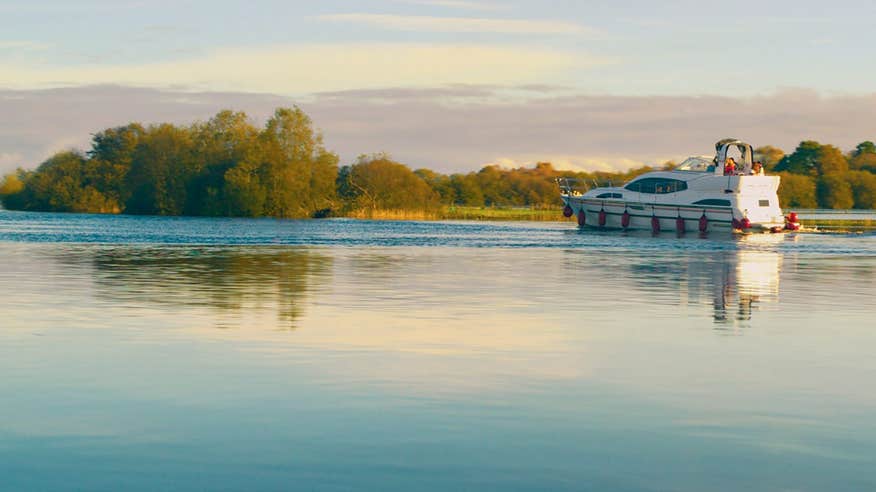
x: 222, y: 354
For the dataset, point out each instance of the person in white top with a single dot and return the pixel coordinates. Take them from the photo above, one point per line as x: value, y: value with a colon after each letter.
x: 757, y: 169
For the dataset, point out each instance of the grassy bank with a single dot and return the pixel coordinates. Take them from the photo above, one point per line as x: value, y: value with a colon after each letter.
x: 464, y: 213
x: 490, y: 213
x: 840, y: 224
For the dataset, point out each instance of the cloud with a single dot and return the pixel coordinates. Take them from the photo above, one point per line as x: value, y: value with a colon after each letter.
x: 568, y: 162
x: 454, y: 4
x: 458, y: 24
x: 461, y: 128
x: 300, y: 69
x: 23, y: 45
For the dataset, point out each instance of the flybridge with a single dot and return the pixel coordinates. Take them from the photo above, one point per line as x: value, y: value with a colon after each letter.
x: 725, y: 193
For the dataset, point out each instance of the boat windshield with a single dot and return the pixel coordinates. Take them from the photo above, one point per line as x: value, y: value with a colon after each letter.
x: 700, y: 163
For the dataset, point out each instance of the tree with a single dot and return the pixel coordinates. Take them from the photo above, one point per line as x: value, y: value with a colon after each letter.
x: 466, y: 190
x: 12, y: 189
x: 797, y: 190
x: 221, y: 143
x: 496, y: 190
x: 831, y: 160
x: 298, y: 173
x: 863, y: 157
x: 769, y: 156
x: 56, y: 183
x: 161, y: 167
x: 244, y: 192
x: 863, y: 189
x: 440, y: 183
x: 834, y: 191
x: 109, y: 160
x: 814, y: 159
x: 376, y: 182
x: 12, y: 184
x: 866, y: 147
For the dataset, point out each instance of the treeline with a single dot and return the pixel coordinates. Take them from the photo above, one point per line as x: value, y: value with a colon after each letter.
x: 822, y: 176
x: 228, y: 167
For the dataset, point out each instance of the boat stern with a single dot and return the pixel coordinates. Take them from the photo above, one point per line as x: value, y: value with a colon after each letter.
x: 758, y: 203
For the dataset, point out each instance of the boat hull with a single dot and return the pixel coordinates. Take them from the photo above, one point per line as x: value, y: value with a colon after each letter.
x: 642, y: 217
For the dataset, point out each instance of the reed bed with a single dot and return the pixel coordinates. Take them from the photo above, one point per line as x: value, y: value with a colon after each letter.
x: 556, y: 215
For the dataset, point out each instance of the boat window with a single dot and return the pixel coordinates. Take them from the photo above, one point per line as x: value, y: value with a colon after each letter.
x: 657, y: 185
x: 764, y: 203
x: 699, y: 163
x: 609, y: 195
x: 713, y: 201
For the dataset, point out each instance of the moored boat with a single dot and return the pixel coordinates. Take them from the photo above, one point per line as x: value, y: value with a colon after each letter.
x: 701, y: 194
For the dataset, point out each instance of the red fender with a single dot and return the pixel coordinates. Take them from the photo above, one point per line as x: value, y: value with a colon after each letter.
x: 567, y: 211
x: 793, y: 217
x: 602, y: 218
x: 704, y: 223
x: 625, y: 219
x: 582, y: 218
x: 655, y: 225
x: 745, y: 223
x: 679, y: 225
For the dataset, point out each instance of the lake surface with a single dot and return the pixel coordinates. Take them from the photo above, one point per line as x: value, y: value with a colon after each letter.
x: 144, y: 353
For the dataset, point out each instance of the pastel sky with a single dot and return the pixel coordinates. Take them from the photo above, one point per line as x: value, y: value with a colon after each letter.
x: 539, y: 73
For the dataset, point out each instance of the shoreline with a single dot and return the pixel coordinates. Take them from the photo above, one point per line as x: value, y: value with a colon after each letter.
x: 500, y: 214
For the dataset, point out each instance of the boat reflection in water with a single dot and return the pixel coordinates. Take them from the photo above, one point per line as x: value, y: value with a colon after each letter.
x: 750, y: 278
x: 736, y: 277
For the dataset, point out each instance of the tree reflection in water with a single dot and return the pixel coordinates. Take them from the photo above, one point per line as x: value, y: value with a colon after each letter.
x: 230, y: 279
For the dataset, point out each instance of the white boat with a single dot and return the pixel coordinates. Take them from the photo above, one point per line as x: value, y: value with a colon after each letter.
x: 695, y: 196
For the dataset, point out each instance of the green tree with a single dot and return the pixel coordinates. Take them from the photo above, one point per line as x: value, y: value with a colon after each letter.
x: 834, y: 191
x: 56, y: 184
x: 495, y: 189
x: 863, y: 157
x: 221, y: 144
x: 814, y: 159
x: 863, y: 189
x: 466, y: 190
x: 112, y: 151
x: 298, y: 173
x: 161, y: 167
x: 866, y: 147
x: 243, y: 190
x: 796, y: 190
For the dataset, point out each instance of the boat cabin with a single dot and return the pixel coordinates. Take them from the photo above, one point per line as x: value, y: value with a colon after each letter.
x: 740, y: 151
x: 725, y: 147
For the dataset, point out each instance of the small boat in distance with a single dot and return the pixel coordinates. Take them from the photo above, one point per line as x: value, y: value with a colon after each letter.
x: 701, y: 194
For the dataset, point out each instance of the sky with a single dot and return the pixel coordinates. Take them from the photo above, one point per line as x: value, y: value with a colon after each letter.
x: 447, y: 84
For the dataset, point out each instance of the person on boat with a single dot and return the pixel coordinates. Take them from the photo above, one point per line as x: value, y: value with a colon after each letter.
x: 757, y: 169
x: 730, y: 167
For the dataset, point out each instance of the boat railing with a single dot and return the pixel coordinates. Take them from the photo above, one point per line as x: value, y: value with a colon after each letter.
x: 577, y: 186
x: 572, y: 186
